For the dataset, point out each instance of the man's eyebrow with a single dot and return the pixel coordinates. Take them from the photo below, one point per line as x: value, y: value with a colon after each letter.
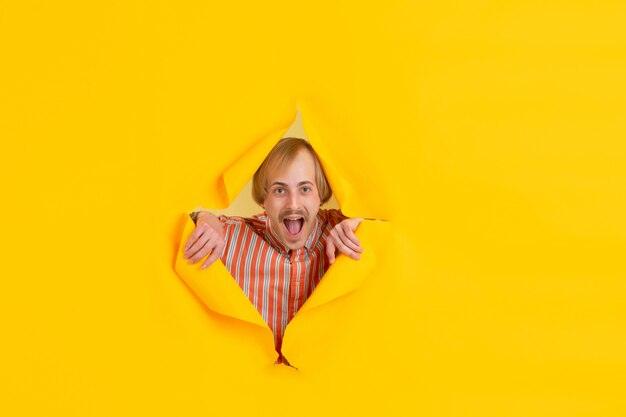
x: 284, y: 184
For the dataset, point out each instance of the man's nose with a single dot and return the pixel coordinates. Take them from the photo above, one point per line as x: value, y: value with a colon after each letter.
x: 294, y: 201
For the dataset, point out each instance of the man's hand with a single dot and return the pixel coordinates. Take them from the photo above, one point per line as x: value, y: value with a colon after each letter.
x: 207, y: 238
x: 342, y: 239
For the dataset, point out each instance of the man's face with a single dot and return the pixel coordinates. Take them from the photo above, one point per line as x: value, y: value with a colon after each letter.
x: 292, y: 201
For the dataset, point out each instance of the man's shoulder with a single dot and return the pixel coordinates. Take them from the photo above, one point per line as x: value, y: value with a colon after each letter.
x: 331, y: 212
x: 331, y: 216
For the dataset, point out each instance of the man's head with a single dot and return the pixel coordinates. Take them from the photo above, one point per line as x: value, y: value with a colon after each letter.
x: 291, y: 186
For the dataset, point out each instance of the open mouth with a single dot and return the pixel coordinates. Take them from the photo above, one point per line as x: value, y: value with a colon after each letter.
x: 293, y: 225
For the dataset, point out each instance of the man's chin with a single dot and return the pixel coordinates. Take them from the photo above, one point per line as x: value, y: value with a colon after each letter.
x: 294, y: 243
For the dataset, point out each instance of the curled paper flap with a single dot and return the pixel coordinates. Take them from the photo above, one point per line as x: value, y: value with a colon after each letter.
x: 237, y: 175
x: 343, y: 278
x: 218, y: 290
x: 341, y: 188
x: 341, y: 181
x: 346, y: 274
x: 216, y: 287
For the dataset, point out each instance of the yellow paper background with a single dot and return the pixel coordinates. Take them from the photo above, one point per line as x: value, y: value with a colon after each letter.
x: 489, y: 135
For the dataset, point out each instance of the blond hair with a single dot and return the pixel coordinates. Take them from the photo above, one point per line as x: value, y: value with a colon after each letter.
x: 282, y: 154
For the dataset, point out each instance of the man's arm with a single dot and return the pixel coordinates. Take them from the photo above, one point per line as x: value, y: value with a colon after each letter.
x: 208, y: 237
x: 343, y: 239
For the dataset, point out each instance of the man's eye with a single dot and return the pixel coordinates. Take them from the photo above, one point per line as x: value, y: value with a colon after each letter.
x: 306, y: 189
x: 279, y: 190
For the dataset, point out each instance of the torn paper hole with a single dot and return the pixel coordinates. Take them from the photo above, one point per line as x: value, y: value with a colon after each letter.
x: 269, y: 274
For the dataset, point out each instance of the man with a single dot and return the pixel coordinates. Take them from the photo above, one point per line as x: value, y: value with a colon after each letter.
x: 280, y: 256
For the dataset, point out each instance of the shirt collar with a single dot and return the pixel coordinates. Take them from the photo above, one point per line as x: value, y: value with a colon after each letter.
x: 274, y: 240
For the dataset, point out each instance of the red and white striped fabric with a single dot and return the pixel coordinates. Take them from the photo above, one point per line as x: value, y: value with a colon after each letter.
x: 277, y: 280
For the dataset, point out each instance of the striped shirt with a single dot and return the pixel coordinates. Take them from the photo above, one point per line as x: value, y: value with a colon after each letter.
x: 277, y: 280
